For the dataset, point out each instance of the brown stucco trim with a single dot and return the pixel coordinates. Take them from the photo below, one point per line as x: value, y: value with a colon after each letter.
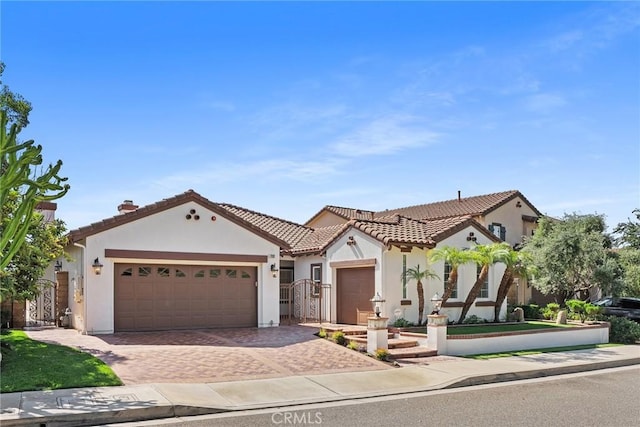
x: 183, y: 256
x: 529, y: 218
x: 469, y: 222
x: 368, y: 262
x: 189, y: 196
x: 485, y: 303
x: 453, y: 304
x: 46, y: 206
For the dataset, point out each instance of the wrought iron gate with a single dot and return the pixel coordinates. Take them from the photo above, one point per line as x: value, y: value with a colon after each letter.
x: 41, y: 310
x: 305, y: 301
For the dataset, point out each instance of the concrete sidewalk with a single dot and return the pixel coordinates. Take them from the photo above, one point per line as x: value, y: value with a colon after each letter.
x: 91, y: 406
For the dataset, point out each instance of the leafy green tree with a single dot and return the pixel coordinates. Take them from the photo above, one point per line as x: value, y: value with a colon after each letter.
x: 21, y: 176
x: 518, y: 265
x: 629, y: 232
x: 418, y: 275
x: 45, y: 241
x: 17, y: 107
x: 572, y: 256
x: 455, y: 257
x: 629, y: 260
x: 483, y: 256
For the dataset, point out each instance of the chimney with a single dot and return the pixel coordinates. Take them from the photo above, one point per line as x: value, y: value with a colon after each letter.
x: 48, y: 210
x: 459, y: 199
x: 127, y: 206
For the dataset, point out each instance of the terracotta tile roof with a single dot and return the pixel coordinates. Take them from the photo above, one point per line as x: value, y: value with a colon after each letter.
x: 350, y: 213
x: 472, y: 206
x: 285, y: 230
x: 318, y: 240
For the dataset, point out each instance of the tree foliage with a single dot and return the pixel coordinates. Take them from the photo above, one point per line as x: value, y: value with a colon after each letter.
x: 418, y: 275
x: 572, y: 256
x: 24, y: 182
x: 629, y: 232
x: 455, y: 257
x: 483, y: 256
x: 518, y: 265
x: 44, y: 242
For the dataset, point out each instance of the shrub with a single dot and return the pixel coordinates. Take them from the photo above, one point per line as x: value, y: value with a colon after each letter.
x: 322, y: 333
x: 577, y: 307
x: 402, y: 323
x: 623, y: 330
x: 382, y: 354
x: 550, y: 312
x: 593, y: 311
x: 339, y: 338
x: 473, y: 319
x: 531, y: 311
x: 353, y: 346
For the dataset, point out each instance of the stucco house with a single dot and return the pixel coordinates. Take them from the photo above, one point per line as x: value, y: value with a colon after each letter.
x: 188, y: 262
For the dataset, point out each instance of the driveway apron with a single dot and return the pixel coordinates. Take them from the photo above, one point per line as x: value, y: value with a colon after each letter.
x: 214, y: 355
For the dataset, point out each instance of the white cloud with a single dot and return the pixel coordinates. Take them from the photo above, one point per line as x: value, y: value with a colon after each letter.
x: 385, y: 135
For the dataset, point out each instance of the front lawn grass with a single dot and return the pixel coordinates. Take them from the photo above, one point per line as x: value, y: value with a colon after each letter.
x: 29, y: 365
x: 510, y: 327
x: 538, y: 351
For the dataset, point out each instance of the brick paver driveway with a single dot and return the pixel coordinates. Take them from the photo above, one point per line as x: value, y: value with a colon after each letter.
x: 214, y: 355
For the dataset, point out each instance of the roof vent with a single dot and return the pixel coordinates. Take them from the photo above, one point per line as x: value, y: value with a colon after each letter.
x: 127, y: 206
x: 459, y: 196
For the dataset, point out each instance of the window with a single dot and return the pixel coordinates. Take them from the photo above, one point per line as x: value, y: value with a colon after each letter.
x: 180, y: 273
x: 447, y: 273
x: 163, y: 271
x: 199, y: 274
x: 498, y: 230
x: 245, y: 275
x: 214, y: 272
x: 316, y: 276
x: 484, y: 290
x: 231, y: 273
x: 144, y: 271
x: 127, y: 272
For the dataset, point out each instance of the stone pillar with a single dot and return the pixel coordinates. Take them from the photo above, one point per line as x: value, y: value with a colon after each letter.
x: 377, y: 334
x: 437, y: 332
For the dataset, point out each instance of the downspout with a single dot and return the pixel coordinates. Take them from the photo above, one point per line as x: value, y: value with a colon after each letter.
x: 85, y: 289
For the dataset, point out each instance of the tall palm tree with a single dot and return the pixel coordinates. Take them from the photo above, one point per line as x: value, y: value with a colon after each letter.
x: 455, y: 258
x: 484, y: 256
x: 519, y: 264
x: 418, y: 275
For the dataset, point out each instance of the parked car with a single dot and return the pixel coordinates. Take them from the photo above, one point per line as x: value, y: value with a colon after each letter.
x: 622, y: 307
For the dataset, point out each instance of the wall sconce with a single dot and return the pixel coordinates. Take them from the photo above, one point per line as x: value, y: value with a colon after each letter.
x: 274, y: 270
x: 518, y: 204
x: 376, y: 304
x: 471, y: 237
x: 436, y: 300
x: 351, y: 241
x: 57, y: 267
x: 97, y: 267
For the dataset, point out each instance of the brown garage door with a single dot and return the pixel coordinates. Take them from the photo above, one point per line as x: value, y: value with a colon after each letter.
x: 355, y: 289
x: 160, y: 297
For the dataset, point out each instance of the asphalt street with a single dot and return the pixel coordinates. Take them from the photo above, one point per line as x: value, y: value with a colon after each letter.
x: 600, y: 398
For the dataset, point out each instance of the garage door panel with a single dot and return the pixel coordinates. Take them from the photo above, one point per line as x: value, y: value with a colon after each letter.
x: 355, y: 287
x: 151, y: 297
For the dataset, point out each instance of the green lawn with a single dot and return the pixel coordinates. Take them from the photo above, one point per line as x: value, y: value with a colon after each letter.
x: 33, y: 365
x: 538, y: 351
x: 511, y: 327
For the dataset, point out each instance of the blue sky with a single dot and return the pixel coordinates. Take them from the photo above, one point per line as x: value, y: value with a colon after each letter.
x: 285, y: 107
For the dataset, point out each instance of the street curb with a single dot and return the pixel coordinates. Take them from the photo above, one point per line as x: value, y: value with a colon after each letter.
x: 541, y: 373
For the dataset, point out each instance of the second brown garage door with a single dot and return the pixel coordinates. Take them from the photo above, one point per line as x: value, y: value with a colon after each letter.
x: 161, y: 297
x: 355, y: 289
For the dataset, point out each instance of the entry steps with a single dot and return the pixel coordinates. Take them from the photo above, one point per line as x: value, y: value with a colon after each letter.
x: 399, y: 348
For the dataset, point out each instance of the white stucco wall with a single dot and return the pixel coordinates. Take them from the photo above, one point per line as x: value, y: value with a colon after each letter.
x: 170, y: 231
x: 510, y: 216
x: 366, y: 247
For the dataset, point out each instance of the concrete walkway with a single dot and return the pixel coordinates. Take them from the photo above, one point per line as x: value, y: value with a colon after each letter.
x: 91, y: 406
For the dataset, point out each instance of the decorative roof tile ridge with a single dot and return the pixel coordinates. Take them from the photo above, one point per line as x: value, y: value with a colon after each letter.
x: 230, y: 205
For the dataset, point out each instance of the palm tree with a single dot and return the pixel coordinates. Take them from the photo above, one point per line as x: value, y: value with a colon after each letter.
x: 455, y: 258
x: 484, y: 256
x: 519, y: 264
x: 419, y: 275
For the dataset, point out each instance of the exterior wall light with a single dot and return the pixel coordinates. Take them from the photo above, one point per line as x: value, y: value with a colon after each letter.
x: 57, y: 267
x: 97, y: 267
x: 436, y: 300
x: 376, y: 304
x: 274, y: 270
